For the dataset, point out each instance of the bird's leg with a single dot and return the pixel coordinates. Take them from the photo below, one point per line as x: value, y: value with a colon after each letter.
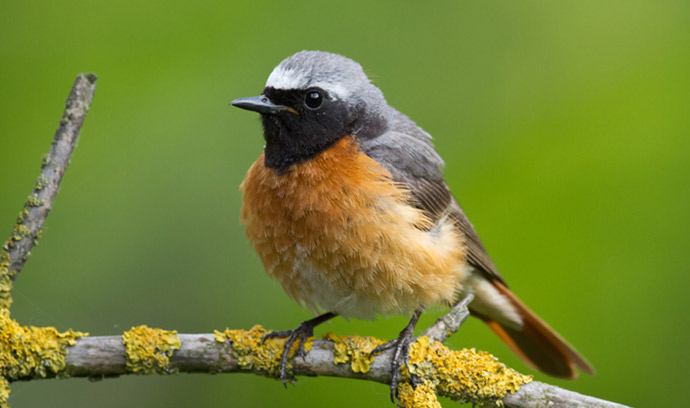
x: 301, y: 332
x: 401, y: 354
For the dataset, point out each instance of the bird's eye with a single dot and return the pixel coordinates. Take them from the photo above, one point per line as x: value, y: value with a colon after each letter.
x: 313, y: 99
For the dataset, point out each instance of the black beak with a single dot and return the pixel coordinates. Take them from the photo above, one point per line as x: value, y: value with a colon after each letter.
x: 261, y: 104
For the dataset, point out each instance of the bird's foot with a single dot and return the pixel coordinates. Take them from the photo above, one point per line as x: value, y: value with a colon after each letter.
x: 401, y: 355
x: 302, y: 332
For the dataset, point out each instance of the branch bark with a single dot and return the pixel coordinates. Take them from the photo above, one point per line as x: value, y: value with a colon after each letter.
x: 450, y: 323
x: 228, y: 352
x: 28, y: 229
x: 102, y: 357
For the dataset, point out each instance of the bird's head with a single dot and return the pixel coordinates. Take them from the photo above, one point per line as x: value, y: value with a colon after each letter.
x: 311, y: 100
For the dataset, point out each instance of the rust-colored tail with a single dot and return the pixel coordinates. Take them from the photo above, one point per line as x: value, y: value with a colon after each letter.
x: 536, y: 343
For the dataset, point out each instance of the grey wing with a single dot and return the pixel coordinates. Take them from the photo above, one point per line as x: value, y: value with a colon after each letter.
x: 412, y: 161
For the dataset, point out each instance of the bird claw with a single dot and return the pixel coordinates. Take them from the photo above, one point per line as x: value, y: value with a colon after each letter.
x: 302, y: 332
x: 401, y: 356
x: 293, y: 335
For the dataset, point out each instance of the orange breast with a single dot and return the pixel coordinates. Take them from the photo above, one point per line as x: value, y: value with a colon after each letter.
x: 340, y: 236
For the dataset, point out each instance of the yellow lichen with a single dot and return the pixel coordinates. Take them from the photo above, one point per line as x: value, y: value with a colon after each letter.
x: 37, y: 237
x: 20, y: 232
x: 23, y: 215
x: 5, y: 288
x: 33, y: 201
x: 421, y: 396
x: 4, y: 392
x: 355, y: 349
x: 27, y: 352
x: 41, y: 183
x: 254, y: 355
x: 464, y: 375
x: 149, y: 350
x: 5, y: 278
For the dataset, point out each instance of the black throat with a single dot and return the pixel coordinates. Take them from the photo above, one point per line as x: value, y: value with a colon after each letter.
x: 295, y: 138
x: 294, y: 142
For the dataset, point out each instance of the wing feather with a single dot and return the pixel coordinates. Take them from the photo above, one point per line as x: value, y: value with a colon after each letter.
x: 413, y: 162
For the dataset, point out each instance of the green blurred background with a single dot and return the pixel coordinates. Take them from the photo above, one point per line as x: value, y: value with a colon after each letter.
x: 564, y: 126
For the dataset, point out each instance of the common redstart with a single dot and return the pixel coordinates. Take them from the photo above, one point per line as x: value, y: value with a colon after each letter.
x: 348, y: 209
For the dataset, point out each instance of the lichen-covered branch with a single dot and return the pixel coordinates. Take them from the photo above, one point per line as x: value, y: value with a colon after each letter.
x: 27, y: 230
x: 30, y: 352
x: 464, y: 375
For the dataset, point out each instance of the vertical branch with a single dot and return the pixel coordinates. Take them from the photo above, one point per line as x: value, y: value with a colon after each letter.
x: 27, y: 230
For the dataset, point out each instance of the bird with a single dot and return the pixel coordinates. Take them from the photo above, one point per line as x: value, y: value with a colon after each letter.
x: 348, y: 210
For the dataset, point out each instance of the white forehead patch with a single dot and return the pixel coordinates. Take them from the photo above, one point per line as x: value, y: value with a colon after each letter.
x: 286, y: 79
x: 282, y: 78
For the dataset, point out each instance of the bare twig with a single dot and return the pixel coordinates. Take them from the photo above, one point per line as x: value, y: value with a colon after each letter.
x: 28, y: 228
x: 537, y: 394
